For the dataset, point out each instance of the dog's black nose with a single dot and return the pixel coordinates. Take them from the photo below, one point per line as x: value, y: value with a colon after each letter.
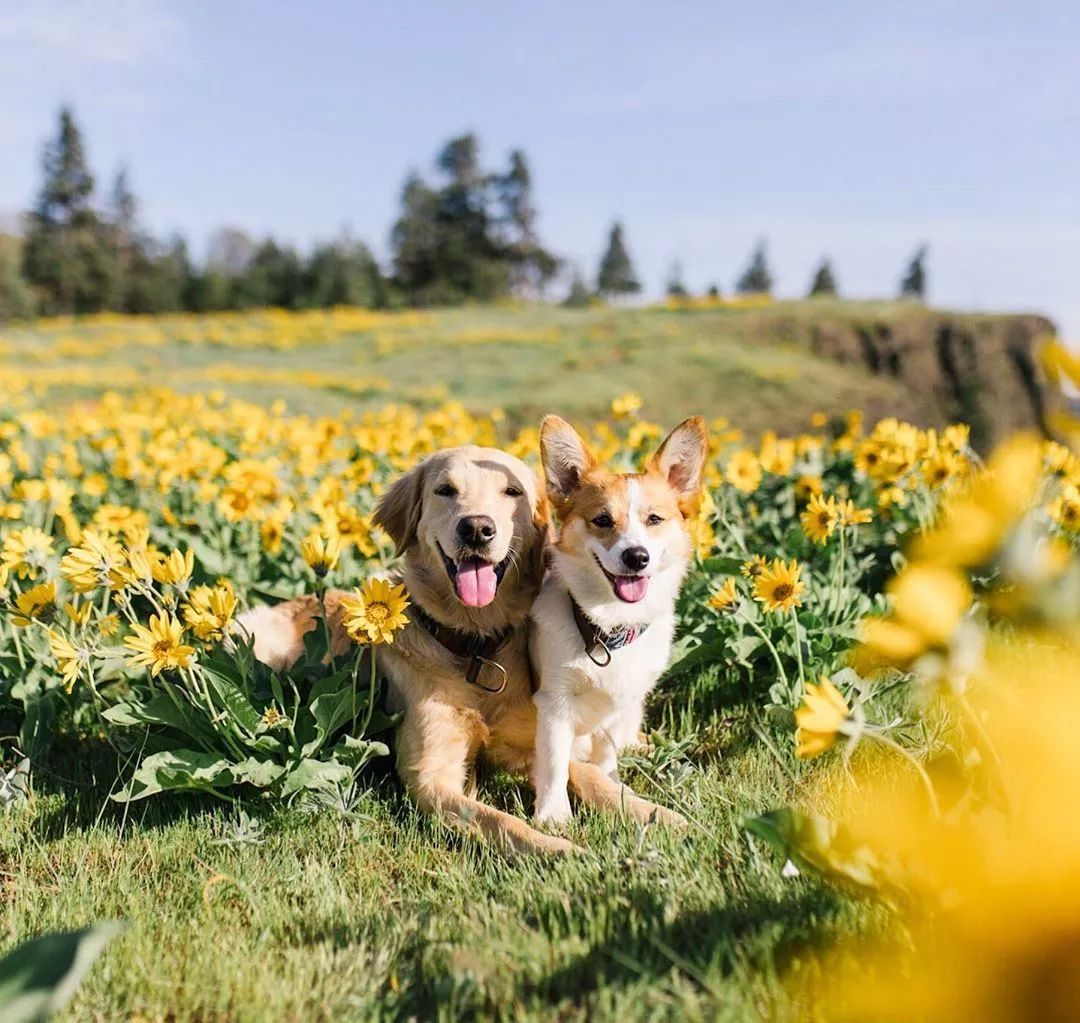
x: 635, y: 558
x: 476, y: 530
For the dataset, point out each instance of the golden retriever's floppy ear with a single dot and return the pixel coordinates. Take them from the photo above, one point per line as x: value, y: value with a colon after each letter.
x: 398, y: 511
x: 565, y: 457
x: 544, y: 537
x: 681, y: 461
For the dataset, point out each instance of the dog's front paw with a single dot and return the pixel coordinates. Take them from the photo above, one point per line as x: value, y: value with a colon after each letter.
x: 553, y: 810
x: 669, y: 818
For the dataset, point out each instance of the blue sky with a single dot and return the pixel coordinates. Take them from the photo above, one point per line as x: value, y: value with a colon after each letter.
x: 853, y: 129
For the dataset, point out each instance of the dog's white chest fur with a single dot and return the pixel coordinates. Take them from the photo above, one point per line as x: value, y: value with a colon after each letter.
x: 588, y: 712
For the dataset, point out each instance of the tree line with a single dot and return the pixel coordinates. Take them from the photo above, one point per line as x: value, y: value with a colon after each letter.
x: 468, y: 234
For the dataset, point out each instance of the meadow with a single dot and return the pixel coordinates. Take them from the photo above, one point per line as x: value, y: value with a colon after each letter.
x: 845, y: 726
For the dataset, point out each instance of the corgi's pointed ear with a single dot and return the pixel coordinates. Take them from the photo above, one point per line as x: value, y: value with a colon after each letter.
x: 681, y: 458
x: 398, y: 511
x: 565, y: 456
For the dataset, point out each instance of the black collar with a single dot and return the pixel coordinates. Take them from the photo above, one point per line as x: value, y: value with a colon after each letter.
x: 474, y: 647
x: 599, y: 643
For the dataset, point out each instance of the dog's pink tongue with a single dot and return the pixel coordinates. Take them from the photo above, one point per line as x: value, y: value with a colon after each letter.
x: 631, y: 588
x: 476, y: 583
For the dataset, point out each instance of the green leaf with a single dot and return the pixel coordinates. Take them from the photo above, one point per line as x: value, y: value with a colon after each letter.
x: 330, y: 706
x: 722, y: 566
x: 706, y: 653
x: 39, y: 722
x: 357, y: 752
x: 159, y: 710
x: 176, y: 769
x: 316, y: 774
x: 233, y: 699
x: 260, y: 773
x: 39, y: 978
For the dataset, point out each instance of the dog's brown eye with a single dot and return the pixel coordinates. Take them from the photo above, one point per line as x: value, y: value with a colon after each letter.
x: 654, y: 520
x: 446, y: 490
x: 513, y: 492
x: 603, y: 521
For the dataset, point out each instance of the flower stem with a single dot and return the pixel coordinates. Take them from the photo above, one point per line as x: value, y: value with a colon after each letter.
x: 798, y: 650
x: 772, y: 649
x: 899, y: 750
x: 985, y: 742
x: 326, y: 628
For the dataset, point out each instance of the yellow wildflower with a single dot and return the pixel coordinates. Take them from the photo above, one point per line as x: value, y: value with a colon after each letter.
x: 779, y: 587
x: 159, y: 647
x: 626, y: 405
x: 26, y: 551
x: 36, y: 604
x: 725, y: 598
x: 820, y: 720
x: 375, y: 613
x: 743, y: 471
x: 209, y: 611
x: 820, y: 519
x: 321, y: 553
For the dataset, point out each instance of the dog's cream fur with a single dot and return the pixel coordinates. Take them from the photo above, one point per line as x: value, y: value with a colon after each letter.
x: 589, y: 713
x: 448, y: 723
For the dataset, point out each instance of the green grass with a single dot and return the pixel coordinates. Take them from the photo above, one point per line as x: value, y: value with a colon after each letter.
x: 378, y: 913
x: 731, y: 363
x: 373, y: 912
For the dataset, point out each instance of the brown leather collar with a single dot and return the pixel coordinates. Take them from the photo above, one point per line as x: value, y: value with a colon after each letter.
x: 598, y: 643
x: 477, y: 649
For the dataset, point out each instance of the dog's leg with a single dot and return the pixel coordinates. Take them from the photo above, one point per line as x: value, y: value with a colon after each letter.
x: 551, y: 766
x: 436, y: 743
x: 594, y: 788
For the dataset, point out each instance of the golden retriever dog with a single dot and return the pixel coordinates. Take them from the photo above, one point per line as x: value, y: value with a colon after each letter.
x: 470, y: 526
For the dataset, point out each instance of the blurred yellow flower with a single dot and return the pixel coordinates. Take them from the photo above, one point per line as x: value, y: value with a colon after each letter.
x: 820, y: 719
x: 321, y: 553
x: 726, y: 597
x: 626, y: 405
x: 743, y: 471
x: 26, y: 551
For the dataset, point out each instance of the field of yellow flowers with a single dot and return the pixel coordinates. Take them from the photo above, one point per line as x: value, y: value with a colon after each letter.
x: 869, y: 720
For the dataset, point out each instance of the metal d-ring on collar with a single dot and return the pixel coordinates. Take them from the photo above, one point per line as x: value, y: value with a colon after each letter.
x: 478, y: 649
x: 596, y: 639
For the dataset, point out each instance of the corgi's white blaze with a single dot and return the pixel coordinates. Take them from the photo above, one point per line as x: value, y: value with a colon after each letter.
x: 635, y: 535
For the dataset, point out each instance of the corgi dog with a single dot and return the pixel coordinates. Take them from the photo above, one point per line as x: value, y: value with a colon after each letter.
x: 602, y: 625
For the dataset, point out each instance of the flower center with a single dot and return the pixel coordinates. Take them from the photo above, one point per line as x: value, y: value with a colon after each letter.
x: 782, y: 592
x: 377, y: 612
x: 161, y: 649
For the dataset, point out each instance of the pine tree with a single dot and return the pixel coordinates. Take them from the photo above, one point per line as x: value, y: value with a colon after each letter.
x: 756, y: 279
x: 615, y: 276
x: 913, y: 284
x: 823, y: 282
x: 578, y: 296
x: 64, y: 255
x: 675, y: 286
x: 713, y: 291
x: 16, y: 299
x: 532, y: 266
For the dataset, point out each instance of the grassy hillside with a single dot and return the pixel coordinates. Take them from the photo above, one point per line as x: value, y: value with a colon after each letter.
x: 760, y: 368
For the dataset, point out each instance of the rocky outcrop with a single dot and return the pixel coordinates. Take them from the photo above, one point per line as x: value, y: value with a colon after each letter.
x: 979, y: 369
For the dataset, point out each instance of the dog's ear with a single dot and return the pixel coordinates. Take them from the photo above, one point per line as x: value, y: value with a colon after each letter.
x: 543, y: 538
x: 398, y: 511
x: 565, y: 456
x: 681, y: 460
